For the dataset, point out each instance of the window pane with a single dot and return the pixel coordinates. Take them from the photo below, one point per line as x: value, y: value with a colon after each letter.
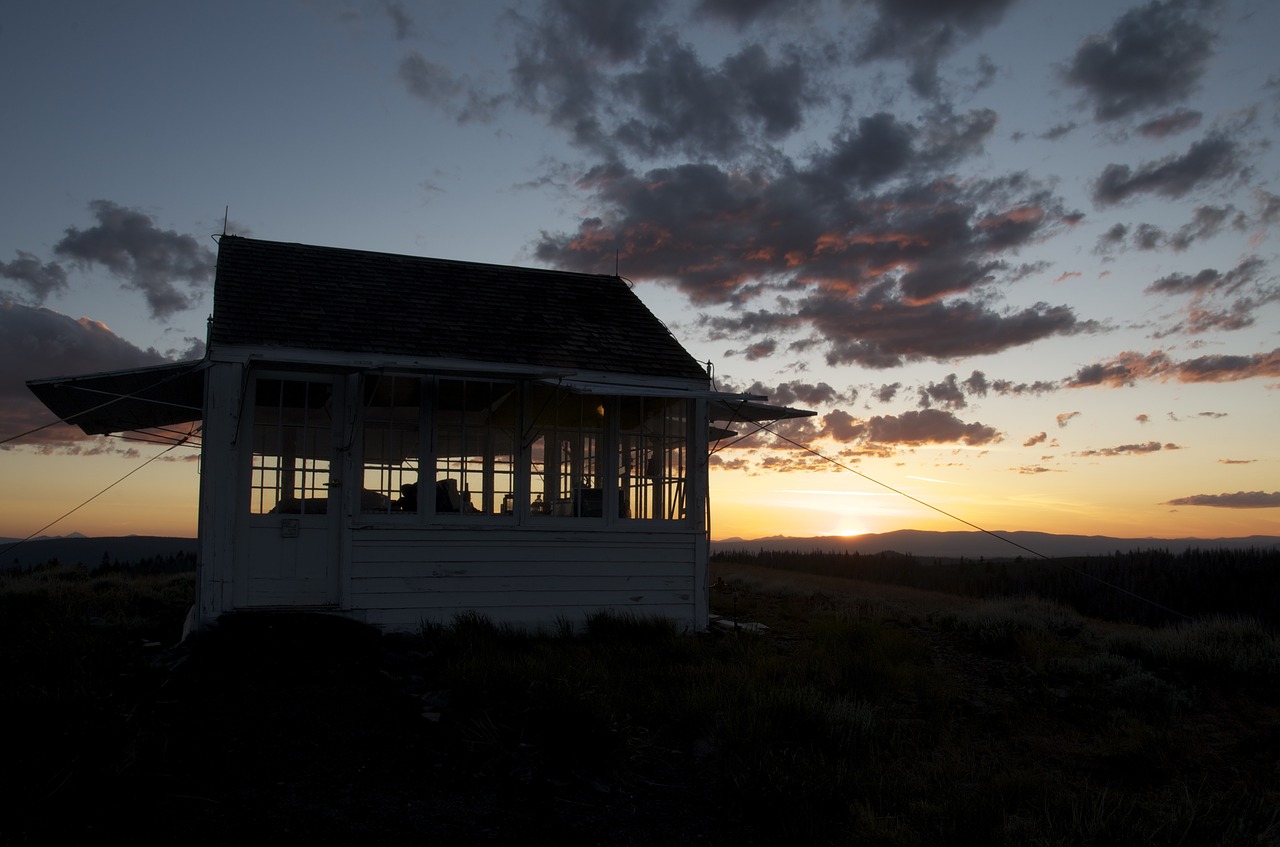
x: 565, y: 470
x: 653, y: 434
x: 476, y: 427
x: 292, y: 432
x: 392, y: 406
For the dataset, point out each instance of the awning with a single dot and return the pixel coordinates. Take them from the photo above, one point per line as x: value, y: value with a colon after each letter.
x: 171, y: 394
x: 123, y: 401
x: 721, y: 405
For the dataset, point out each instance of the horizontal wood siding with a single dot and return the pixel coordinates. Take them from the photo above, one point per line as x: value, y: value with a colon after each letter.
x: 400, y: 578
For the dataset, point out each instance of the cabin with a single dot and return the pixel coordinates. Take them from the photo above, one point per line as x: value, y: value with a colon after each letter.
x: 401, y: 439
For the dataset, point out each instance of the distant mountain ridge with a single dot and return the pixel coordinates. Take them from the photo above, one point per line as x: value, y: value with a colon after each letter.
x: 971, y: 545
x: 78, y: 549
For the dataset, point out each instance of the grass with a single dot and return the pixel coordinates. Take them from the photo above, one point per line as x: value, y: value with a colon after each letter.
x: 854, y: 719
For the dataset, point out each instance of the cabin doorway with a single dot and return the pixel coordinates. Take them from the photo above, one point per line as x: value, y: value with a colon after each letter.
x: 290, y: 540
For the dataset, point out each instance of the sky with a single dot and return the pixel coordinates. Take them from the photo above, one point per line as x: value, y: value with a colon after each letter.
x: 1020, y: 256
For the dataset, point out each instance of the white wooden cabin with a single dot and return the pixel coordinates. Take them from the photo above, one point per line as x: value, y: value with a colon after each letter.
x: 402, y: 439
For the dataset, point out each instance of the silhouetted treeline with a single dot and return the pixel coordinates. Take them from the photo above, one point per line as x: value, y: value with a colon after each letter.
x: 171, y: 563
x: 1145, y: 586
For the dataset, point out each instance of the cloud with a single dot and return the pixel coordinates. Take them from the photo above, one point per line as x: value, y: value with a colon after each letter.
x: 743, y: 13
x: 1066, y: 418
x: 1152, y: 56
x: 923, y: 33
x: 1206, y: 222
x: 128, y: 243
x: 883, y: 270
x: 1239, y: 500
x: 803, y: 394
x: 1220, y: 300
x: 928, y: 426
x: 1036, y: 439
x: 1129, y: 367
x: 36, y: 343
x: 841, y: 426
x: 759, y: 350
x: 947, y: 393
x: 678, y: 105
x: 1210, y: 159
x: 1005, y: 387
x: 456, y: 95
x: 617, y: 78
x: 1143, y: 419
x: 1060, y: 131
x: 1112, y: 238
x: 401, y: 20
x: 977, y: 384
x: 885, y: 393
x: 1236, y: 461
x: 39, y: 280
x: 1226, y: 368
x: 1129, y: 449
x: 1209, y: 281
x: 1170, y: 124
x: 1121, y: 370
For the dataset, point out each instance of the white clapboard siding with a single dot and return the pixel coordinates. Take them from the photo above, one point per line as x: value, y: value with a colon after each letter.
x: 399, y: 578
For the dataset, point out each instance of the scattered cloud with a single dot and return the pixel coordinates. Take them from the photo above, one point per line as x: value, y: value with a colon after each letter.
x: 148, y: 259
x: 928, y: 426
x: 887, y: 392
x: 1036, y: 439
x: 1226, y: 300
x: 1227, y: 368
x: 401, y: 21
x: 923, y: 33
x: 1239, y: 500
x: 37, y: 280
x: 947, y: 394
x: 1006, y: 387
x: 1173, y: 123
x: 1211, y: 159
x: 1236, y: 461
x: 796, y: 393
x: 1066, y: 418
x: 1153, y: 56
x: 1129, y: 449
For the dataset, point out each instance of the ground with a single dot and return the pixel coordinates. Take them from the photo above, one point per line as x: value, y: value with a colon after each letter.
x: 319, y: 730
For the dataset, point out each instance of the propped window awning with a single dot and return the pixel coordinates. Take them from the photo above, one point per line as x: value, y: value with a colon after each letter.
x: 722, y: 406
x: 125, y: 401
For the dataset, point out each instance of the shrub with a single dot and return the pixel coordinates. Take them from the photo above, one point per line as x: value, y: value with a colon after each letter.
x: 1213, y: 645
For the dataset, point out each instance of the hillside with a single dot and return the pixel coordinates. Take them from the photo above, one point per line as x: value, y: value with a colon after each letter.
x: 948, y: 545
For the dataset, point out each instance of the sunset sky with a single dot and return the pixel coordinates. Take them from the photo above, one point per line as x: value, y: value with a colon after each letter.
x: 1021, y: 256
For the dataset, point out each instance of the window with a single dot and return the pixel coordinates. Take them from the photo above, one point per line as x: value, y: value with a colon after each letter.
x: 292, y: 447
x: 565, y: 473
x: 392, y: 408
x: 652, y: 457
x: 476, y: 422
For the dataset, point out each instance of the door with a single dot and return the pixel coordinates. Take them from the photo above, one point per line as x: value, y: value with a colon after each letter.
x: 289, y: 544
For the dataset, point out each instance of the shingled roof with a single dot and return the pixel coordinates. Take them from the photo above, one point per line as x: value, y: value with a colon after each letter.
x: 273, y: 294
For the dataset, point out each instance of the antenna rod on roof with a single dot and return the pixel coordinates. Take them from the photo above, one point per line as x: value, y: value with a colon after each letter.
x: 615, y: 262
x: 226, y: 213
